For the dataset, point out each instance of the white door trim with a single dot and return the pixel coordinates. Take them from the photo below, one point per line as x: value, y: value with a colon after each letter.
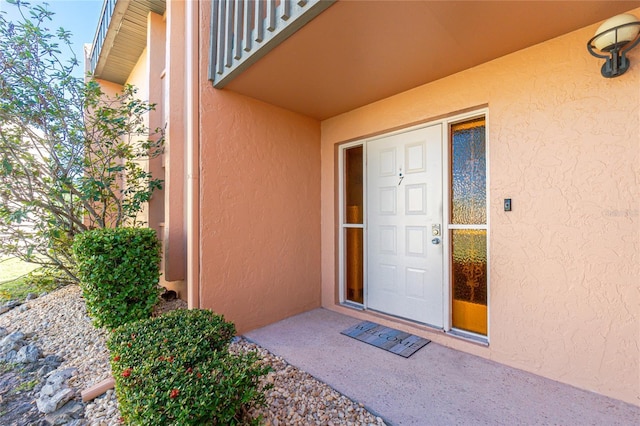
x: 446, y: 182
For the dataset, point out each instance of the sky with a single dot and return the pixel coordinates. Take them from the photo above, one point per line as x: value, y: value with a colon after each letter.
x: 80, y: 17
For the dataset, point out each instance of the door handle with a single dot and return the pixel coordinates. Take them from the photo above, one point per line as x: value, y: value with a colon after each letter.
x: 435, y: 241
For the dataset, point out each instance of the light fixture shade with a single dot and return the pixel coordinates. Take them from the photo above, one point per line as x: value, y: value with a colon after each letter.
x: 608, y: 39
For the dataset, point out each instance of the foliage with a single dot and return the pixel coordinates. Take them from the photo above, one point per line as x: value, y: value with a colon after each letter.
x: 68, y: 152
x: 177, y: 370
x: 119, y: 272
x: 25, y: 386
x: 37, y: 281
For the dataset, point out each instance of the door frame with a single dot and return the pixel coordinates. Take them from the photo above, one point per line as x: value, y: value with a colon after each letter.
x: 446, y: 123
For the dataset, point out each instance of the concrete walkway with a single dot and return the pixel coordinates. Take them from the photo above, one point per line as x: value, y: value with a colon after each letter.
x: 436, y: 385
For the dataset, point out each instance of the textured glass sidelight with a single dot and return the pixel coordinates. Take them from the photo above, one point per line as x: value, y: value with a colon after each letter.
x: 354, y: 265
x: 469, y: 176
x: 353, y: 215
x: 470, y: 280
x: 353, y: 185
x: 469, y: 208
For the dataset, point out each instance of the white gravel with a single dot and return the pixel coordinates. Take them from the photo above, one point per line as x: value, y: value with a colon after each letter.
x: 60, y: 325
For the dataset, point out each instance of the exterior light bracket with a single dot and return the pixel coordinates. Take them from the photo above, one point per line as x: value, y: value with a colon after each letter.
x: 618, y: 40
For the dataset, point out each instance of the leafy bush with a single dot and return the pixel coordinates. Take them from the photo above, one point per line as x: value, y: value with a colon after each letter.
x: 119, y: 273
x: 177, y: 370
x: 71, y: 156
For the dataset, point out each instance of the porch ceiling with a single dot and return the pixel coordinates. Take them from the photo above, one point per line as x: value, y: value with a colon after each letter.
x: 358, y: 52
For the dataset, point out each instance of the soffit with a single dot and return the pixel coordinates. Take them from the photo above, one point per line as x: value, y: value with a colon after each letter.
x: 126, y: 39
x: 357, y: 52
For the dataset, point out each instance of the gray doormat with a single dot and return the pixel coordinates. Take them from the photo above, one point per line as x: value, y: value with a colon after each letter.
x: 389, y: 339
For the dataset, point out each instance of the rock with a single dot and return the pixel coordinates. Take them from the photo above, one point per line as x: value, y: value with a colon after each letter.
x: 9, y: 357
x: 46, y: 369
x: 50, y: 403
x: 27, y: 354
x: 3, y: 332
x: 12, y: 304
x: 22, y: 308
x: 31, y: 296
x: 9, y: 306
x: 69, y: 412
x: 54, y: 394
x: 14, y: 337
x: 61, y: 376
x: 10, y: 345
x: 53, y: 360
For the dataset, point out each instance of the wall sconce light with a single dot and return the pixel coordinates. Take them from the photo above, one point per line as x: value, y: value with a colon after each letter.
x: 613, y: 39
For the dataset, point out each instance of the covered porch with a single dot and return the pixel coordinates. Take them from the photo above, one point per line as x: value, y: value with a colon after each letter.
x: 436, y: 385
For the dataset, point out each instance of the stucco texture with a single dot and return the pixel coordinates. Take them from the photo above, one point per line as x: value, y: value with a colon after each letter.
x: 259, y: 204
x: 564, y: 145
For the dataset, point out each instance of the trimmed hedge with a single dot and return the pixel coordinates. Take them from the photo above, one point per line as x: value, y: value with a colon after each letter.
x: 119, y: 273
x: 177, y: 370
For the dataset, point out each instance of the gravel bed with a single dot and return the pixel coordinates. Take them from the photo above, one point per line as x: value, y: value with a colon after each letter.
x: 60, y: 325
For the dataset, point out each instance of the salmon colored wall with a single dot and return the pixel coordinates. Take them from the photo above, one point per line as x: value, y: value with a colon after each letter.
x: 155, y: 53
x: 109, y: 88
x: 139, y: 79
x: 565, y: 146
x: 259, y: 203
x: 175, y: 257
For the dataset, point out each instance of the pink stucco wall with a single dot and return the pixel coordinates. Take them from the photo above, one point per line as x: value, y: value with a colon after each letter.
x: 155, y: 59
x: 260, y: 210
x: 173, y: 107
x: 565, y: 263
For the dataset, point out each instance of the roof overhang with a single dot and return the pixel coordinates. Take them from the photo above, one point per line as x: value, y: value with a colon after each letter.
x: 121, y: 37
x: 357, y: 52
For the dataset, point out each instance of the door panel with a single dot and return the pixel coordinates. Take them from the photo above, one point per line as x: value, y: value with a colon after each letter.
x: 404, y: 198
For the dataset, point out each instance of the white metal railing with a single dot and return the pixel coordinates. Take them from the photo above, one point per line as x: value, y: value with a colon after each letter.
x: 101, y: 32
x: 243, y: 31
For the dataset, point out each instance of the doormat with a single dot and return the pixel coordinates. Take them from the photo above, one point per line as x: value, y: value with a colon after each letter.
x: 389, y: 339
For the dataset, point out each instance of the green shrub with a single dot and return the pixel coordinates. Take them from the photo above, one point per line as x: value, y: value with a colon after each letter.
x: 119, y: 273
x: 177, y: 370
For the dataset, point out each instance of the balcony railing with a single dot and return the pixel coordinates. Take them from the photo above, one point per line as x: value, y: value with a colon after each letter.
x: 101, y: 33
x: 243, y: 31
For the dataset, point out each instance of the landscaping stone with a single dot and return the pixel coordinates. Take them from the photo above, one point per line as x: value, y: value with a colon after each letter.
x: 11, y: 339
x: 19, y: 387
x: 69, y: 414
x: 76, y: 358
x: 10, y: 345
x: 55, y: 393
x: 28, y: 353
x: 48, y: 403
x: 9, y: 306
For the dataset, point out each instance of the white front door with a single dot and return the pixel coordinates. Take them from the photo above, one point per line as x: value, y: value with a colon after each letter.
x: 404, y: 221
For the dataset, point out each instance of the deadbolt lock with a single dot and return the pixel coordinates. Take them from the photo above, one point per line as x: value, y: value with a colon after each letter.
x: 435, y: 230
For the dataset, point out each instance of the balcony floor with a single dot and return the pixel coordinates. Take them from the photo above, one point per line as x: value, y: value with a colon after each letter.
x: 436, y: 385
